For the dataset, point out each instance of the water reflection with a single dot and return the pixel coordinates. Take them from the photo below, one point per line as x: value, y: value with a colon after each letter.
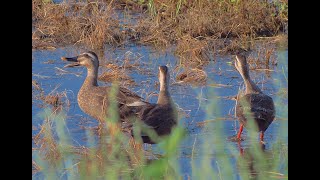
x: 256, y: 161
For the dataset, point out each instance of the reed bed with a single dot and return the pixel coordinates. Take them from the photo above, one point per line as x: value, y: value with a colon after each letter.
x: 222, y: 25
x: 93, y: 24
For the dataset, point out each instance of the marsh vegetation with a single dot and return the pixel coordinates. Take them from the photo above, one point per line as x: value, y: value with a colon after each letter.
x: 196, y: 40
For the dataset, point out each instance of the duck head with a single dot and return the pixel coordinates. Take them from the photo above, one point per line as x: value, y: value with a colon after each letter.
x: 88, y: 59
x: 241, y: 65
x: 163, y: 76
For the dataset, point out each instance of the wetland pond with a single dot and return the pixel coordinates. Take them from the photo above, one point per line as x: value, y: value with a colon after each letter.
x: 140, y: 65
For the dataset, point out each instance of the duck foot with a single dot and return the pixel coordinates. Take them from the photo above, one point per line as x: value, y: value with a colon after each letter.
x: 262, y: 145
x: 235, y: 138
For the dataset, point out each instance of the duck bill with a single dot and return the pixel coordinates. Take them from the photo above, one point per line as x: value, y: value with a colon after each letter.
x: 71, y: 59
x: 235, y: 62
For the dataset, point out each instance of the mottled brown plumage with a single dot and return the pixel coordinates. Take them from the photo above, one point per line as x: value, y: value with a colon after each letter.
x: 253, y: 101
x: 261, y: 108
x: 93, y: 99
x: 161, y: 117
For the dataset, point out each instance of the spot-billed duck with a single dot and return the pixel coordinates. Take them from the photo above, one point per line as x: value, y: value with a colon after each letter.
x: 162, y: 116
x: 259, y: 105
x: 93, y: 99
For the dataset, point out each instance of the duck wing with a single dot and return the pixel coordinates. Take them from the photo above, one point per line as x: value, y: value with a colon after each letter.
x: 129, y: 98
x: 260, y: 106
x: 161, y: 118
x: 129, y: 103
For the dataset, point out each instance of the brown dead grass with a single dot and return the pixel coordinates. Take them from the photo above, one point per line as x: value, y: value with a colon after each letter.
x: 264, y: 59
x: 53, y: 100
x: 45, y: 142
x: 216, y: 19
x: 37, y: 91
x: 198, y: 30
x: 93, y: 24
x: 56, y: 100
x: 193, y: 76
x: 35, y: 167
x: 36, y: 86
x: 194, y: 52
x: 94, y: 160
x: 119, y: 69
x: 163, y: 23
x: 201, y: 30
x: 119, y: 75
